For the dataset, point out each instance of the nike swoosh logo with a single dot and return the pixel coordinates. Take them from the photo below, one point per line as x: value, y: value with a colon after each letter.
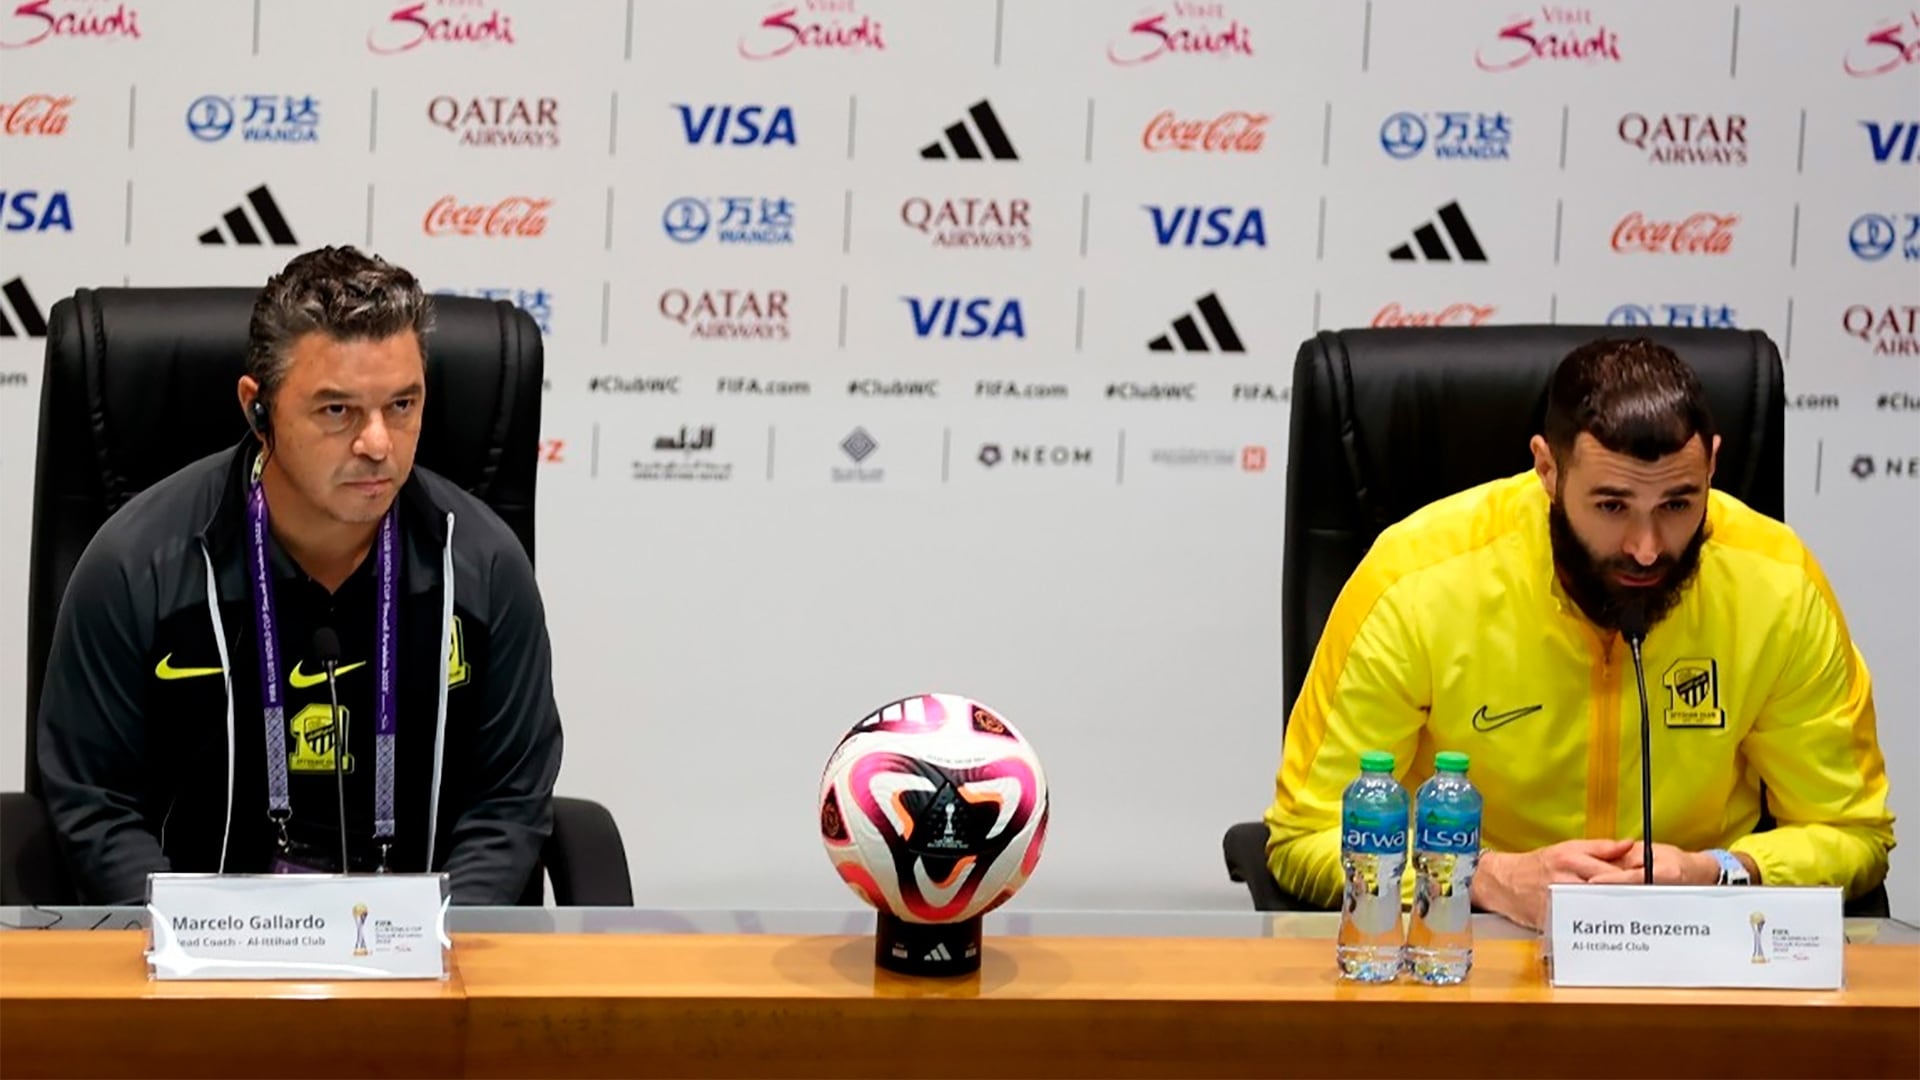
x: 165, y: 670
x: 301, y: 680
x: 1484, y: 722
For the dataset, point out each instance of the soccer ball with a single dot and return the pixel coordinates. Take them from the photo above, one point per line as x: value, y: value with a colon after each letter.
x: 933, y: 809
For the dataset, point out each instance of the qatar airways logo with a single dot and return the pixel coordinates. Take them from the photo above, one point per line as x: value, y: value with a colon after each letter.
x: 1698, y: 234
x: 1888, y: 329
x: 823, y: 25
x: 1235, y: 131
x: 1184, y: 29
x: 516, y: 216
x: 441, y: 22
x: 1450, y: 315
x: 41, y: 20
x: 1556, y: 33
x: 1890, y: 45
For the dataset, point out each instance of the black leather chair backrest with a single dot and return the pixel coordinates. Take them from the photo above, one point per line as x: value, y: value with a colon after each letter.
x: 140, y: 382
x: 1386, y: 421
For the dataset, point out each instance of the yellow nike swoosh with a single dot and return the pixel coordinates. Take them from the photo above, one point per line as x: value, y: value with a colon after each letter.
x: 302, y: 680
x: 166, y: 670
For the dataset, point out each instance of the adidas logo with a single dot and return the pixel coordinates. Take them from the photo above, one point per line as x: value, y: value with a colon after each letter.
x: 17, y: 306
x: 960, y: 138
x: 239, y: 228
x: 938, y: 953
x: 1187, y: 332
x: 1434, y: 249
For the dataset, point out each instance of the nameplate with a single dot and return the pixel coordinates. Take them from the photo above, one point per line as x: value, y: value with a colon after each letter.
x: 297, y: 926
x: 1695, y: 936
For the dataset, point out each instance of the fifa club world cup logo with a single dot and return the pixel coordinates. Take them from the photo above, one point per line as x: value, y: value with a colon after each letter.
x: 359, y: 929
x: 1759, y: 923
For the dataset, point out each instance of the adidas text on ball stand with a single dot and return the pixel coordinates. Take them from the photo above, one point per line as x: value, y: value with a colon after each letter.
x: 927, y: 949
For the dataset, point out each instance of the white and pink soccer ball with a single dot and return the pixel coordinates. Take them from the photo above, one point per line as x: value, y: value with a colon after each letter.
x: 934, y: 809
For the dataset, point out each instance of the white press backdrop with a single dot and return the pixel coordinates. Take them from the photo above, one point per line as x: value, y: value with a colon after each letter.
x: 782, y: 222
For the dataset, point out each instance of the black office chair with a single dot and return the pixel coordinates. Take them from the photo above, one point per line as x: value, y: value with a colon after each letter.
x: 140, y: 382
x: 1387, y: 421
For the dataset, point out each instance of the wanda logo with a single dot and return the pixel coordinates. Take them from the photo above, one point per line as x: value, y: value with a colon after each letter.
x: 1699, y: 234
x: 1451, y: 315
x: 1235, y: 131
x: 513, y: 216
x: 35, y: 114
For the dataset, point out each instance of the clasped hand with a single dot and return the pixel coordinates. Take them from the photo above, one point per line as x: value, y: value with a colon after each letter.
x: 1515, y: 885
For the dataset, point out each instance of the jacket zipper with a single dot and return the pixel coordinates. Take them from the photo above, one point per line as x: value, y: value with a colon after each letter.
x: 1603, y: 748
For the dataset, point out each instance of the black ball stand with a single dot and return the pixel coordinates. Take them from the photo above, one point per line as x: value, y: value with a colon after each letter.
x: 927, y: 949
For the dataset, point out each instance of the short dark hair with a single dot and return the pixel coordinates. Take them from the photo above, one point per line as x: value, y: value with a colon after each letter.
x: 340, y: 292
x: 1634, y: 397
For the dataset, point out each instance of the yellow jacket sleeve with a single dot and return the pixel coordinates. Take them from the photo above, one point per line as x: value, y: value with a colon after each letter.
x: 1815, y: 746
x: 1368, y: 689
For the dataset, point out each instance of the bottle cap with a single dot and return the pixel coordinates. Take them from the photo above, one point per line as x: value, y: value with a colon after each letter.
x: 1376, y: 761
x: 1450, y: 761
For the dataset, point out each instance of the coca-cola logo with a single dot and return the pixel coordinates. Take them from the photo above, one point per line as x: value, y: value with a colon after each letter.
x: 441, y: 22
x: 1891, y: 45
x: 1557, y: 33
x: 1699, y: 234
x: 498, y: 121
x: 1184, y: 29
x: 516, y: 216
x: 1458, y: 314
x: 815, y: 24
x: 43, y: 20
x: 36, y: 114
x: 1235, y: 131
x: 1889, y: 329
x: 970, y: 222
x: 1687, y: 138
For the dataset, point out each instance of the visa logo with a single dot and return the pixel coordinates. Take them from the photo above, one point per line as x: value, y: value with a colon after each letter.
x: 737, y: 125
x: 1897, y: 142
x: 976, y: 317
x: 1204, y: 226
x: 22, y: 211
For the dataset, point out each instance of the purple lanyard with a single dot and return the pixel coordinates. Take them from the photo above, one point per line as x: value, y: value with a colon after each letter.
x: 279, y: 804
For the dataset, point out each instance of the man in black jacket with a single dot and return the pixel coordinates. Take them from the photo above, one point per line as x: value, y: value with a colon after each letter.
x: 186, y: 723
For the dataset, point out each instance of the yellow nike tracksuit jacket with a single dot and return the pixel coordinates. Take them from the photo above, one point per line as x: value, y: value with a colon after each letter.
x: 1454, y: 634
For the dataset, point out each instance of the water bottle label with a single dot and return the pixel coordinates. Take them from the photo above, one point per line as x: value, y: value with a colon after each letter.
x: 1451, y: 837
x: 1375, y: 840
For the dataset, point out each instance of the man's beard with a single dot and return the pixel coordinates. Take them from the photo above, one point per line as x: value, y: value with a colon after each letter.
x: 1590, y: 581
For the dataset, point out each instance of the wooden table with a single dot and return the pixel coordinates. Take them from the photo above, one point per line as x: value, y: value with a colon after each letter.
x: 764, y: 1005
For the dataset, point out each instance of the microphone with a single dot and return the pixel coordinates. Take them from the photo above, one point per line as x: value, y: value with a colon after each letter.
x: 1633, y: 626
x: 326, y: 649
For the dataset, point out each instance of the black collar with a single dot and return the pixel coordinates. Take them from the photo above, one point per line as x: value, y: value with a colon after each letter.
x: 423, y: 522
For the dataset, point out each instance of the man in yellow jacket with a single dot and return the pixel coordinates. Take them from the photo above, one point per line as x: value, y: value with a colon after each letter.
x: 1489, y: 622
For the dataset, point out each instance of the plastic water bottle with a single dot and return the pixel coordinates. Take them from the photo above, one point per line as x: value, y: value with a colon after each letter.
x: 1373, y: 855
x: 1446, y: 849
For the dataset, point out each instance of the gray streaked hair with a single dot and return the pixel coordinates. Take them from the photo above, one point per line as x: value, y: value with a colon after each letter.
x: 337, y: 291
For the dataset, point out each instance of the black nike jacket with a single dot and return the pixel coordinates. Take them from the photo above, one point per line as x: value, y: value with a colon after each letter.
x: 151, y: 740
